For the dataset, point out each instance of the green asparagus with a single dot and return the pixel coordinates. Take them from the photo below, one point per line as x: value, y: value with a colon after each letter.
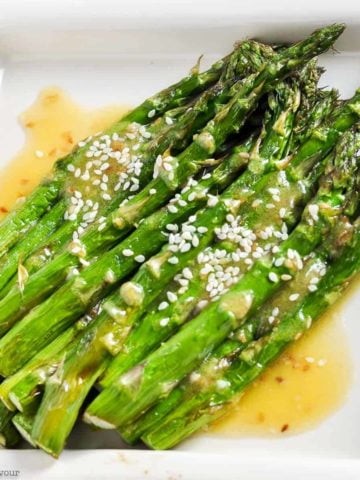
x: 208, y: 402
x: 143, y: 385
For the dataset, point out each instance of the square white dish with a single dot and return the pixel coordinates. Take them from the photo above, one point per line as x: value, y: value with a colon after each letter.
x: 136, y: 49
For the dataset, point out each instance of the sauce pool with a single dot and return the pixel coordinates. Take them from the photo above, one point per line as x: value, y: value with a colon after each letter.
x: 53, y: 124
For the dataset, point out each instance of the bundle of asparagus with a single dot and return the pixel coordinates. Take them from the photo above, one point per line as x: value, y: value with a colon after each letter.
x: 170, y: 259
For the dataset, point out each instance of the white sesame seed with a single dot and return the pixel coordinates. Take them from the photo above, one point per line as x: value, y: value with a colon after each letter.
x: 39, y: 153
x: 312, y: 288
x: 171, y: 297
x: 127, y: 252
x: 173, y: 260
x: 273, y: 277
x: 164, y: 321
x: 293, y: 297
x: 286, y: 277
x: 187, y: 273
x: 212, y: 201
x: 140, y: 258
x: 279, y: 261
x: 314, y: 210
x: 221, y: 384
x: 163, y: 305
x: 151, y: 114
x: 152, y: 191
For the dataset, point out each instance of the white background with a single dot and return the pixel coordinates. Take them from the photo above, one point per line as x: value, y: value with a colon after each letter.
x: 113, y: 51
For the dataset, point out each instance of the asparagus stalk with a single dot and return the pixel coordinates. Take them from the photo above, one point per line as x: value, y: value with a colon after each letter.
x: 5, y: 416
x: 210, y: 402
x: 154, y: 378
x: 89, y: 354
x: 245, y: 58
x: 20, y: 220
x: 229, y: 120
x: 23, y: 424
x: 20, y: 391
x: 273, y: 145
x: 212, y: 369
x: 10, y: 262
x: 103, y: 236
x: 192, y: 292
x: 9, y: 437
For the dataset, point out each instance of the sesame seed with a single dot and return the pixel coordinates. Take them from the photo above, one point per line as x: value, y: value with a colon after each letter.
x: 293, y: 297
x: 221, y: 384
x: 151, y: 114
x: 39, y: 153
x: 127, y: 252
x: 172, y: 209
x: 173, y: 260
x: 314, y: 210
x: 212, y: 201
x: 187, y: 273
x: 152, y: 191
x: 140, y: 258
x: 312, y: 288
x: 163, y: 305
x: 273, y: 277
x: 171, y: 297
x: 164, y: 321
x: 286, y: 277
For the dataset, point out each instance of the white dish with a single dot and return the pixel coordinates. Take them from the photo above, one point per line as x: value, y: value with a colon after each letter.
x: 136, y: 50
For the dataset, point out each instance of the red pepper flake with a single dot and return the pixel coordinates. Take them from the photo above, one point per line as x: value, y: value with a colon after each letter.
x: 279, y: 379
x: 284, y: 428
x: 4, y: 210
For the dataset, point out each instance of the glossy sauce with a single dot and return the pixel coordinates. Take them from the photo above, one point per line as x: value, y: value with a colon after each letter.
x: 53, y: 124
x: 303, y: 387
x: 308, y: 383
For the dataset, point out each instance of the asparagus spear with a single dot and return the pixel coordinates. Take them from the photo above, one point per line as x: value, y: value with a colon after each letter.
x: 247, y: 57
x: 158, y: 325
x: 20, y: 220
x: 9, y: 437
x: 195, y: 410
x: 89, y: 353
x: 103, y: 236
x: 10, y: 262
x: 212, y: 369
x: 143, y: 385
x: 228, y: 120
x: 23, y: 424
x: 5, y: 416
x: 22, y: 388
